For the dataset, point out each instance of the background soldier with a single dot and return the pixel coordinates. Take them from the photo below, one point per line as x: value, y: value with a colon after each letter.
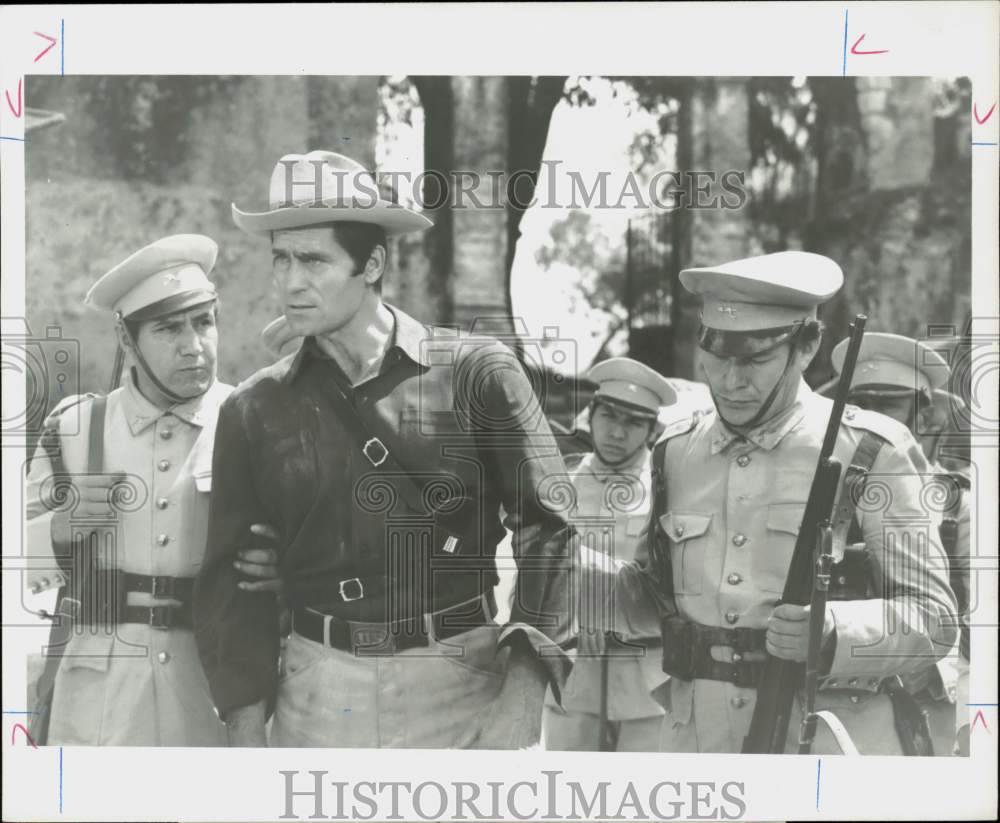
x: 612, y: 486
x: 899, y: 376
x: 130, y: 673
x: 736, y: 482
x: 382, y: 452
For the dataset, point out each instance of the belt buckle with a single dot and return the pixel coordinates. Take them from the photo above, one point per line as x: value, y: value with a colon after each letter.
x: 372, y: 637
x: 345, y: 595
x: 73, y: 605
x: 374, y: 441
x: 742, y: 639
x: 160, y: 588
x: 160, y: 617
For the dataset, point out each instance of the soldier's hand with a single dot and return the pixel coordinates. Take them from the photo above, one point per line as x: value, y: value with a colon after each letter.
x: 788, y: 632
x: 91, y: 495
x: 260, y: 563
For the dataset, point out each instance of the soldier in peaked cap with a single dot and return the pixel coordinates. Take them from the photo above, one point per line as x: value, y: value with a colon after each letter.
x: 129, y: 674
x: 612, y: 486
x: 730, y: 489
x: 451, y: 425
x: 899, y: 377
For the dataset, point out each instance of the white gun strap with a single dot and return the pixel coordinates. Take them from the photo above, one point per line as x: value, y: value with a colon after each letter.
x: 839, y: 732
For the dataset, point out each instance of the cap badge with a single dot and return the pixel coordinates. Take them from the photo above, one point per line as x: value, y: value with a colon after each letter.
x: 727, y: 310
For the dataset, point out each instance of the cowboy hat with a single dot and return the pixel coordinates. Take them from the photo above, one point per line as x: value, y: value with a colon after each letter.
x: 325, y: 187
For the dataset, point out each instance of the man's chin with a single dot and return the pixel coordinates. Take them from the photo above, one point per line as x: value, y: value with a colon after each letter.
x: 191, y: 388
x: 738, y: 414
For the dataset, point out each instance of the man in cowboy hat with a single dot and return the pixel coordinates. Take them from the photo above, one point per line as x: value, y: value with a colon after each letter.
x: 383, y: 450
x: 132, y: 677
x: 613, y: 492
x: 899, y: 377
x: 734, y: 487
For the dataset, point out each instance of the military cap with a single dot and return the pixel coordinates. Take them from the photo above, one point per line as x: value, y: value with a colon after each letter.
x: 891, y: 363
x: 631, y: 385
x: 754, y: 304
x: 325, y: 187
x: 166, y: 276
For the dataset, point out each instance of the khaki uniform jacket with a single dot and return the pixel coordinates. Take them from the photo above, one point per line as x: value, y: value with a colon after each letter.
x: 136, y: 686
x: 733, y: 513
x: 612, y: 512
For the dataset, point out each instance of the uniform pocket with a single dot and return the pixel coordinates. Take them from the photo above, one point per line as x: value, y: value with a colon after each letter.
x: 688, y: 535
x: 203, y: 481
x: 88, y: 651
x: 771, y: 561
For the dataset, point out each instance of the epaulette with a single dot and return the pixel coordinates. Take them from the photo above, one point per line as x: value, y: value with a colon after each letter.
x: 892, y: 431
x: 679, y: 427
x: 64, y: 405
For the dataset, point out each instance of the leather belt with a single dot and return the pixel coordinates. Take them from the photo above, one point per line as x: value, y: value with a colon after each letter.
x: 104, y: 602
x: 687, y: 652
x: 160, y: 586
x: 158, y: 617
x: 385, y: 638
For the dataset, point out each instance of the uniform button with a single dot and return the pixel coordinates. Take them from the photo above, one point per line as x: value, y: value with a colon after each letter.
x: 849, y: 414
x: 732, y: 617
x: 831, y: 683
x: 873, y: 682
x: 163, y: 657
x: 739, y: 539
x: 737, y: 657
x: 852, y: 682
x: 163, y: 465
x: 743, y: 460
x: 734, y: 579
x: 855, y: 698
x: 162, y: 503
x: 842, y: 580
x: 166, y: 434
x: 679, y: 531
x: 162, y: 540
x: 738, y: 702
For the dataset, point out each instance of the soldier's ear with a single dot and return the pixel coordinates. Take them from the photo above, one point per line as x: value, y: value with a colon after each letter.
x: 806, y: 350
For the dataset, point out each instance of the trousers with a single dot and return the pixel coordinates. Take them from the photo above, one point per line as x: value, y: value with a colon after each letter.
x: 428, y: 697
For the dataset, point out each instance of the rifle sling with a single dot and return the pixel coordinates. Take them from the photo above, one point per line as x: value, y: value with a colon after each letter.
x: 853, y: 487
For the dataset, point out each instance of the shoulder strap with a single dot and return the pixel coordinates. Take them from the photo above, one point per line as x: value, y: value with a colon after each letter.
x: 374, y: 448
x: 658, y: 479
x: 95, y: 437
x: 62, y: 628
x: 852, y: 486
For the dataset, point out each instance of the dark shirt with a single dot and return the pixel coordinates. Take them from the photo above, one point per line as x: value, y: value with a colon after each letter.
x: 460, y: 415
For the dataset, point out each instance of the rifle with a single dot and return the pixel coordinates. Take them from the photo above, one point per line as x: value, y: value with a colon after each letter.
x: 817, y: 613
x: 782, y: 678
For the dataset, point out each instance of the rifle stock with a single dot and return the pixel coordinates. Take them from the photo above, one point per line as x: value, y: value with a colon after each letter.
x: 781, y: 678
